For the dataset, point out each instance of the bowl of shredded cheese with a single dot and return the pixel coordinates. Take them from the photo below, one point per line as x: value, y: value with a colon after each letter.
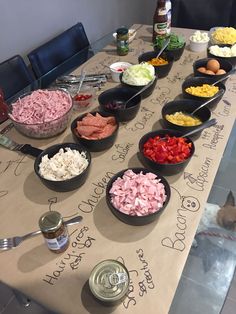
x: 223, y: 35
x: 63, y: 167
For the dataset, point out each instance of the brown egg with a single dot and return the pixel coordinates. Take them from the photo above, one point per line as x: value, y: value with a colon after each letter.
x: 213, y: 65
x: 210, y: 72
x: 220, y: 72
x: 202, y: 69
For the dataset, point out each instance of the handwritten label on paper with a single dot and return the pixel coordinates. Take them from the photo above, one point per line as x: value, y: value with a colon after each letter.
x: 213, y: 136
x: 176, y: 239
x: 98, y: 190
x: 73, y: 258
x: 121, y: 151
x: 188, y: 59
x: 141, y: 123
x: 162, y: 96
x: 225, y: 111
x: 13, y: 165
x: 141, y: 280
x: 178, y: 77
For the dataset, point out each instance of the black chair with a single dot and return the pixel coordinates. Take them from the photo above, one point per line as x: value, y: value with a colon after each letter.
x: 58, y: 50
x: 202, y: 14
x: 14, y: 76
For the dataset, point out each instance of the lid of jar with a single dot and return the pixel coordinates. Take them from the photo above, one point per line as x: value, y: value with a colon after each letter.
x: 50, y: 221
x: 122, y: 31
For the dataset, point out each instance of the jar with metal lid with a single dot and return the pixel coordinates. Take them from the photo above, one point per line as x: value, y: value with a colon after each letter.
x: 109, y: 282
x: 122, y: 40
x: 54, y: 231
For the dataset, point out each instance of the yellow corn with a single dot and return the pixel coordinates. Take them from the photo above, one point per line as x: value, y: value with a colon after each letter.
x: 205, y: 90
x: 179, y: 118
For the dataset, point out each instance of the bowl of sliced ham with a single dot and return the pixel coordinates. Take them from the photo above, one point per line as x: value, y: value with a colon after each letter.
x: 42, y: 113
x: 95, y: 130
x: 137, y: 196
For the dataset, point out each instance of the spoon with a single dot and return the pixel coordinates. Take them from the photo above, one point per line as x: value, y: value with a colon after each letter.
x: 202, y: 126
x: 166, y: 43
x: 82, y: 77
x: 224, y: 78
x: 220, y: 93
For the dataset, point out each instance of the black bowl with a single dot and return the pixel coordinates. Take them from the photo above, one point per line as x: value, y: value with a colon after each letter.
x: 224, y: 64
x: 161, y: 70
x: 95, y: 145
x: 232, y: 60
x: 198, y: 81
x: 184, y: 105
x: 120, y: 94
x: 69, y: 184
x: 164, y: 168
x: 145, y: 93
x: 175, y: 53
x: 136, y: 220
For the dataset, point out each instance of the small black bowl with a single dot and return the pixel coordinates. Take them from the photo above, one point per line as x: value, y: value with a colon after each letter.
x: 166, y: 169
x: 69, y: 184
x: 232, y: 60
x: 120, y: 94
x: 95, y: 145
x: 137, y: 220
x: 145, y: 93
x: 161, y: 70
x: 184, y: 105
x: 175, y: 53
x: 198, y: 81
x: 224, y: 64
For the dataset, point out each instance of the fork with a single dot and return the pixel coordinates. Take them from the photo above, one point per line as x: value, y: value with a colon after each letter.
x: 10, y: 243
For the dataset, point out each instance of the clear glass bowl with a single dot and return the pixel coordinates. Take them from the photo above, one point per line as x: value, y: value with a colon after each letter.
x: 84, y: 98
x: 44, y: 129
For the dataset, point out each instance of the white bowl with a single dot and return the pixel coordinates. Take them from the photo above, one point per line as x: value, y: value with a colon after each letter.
x: 198, y: 46
x: 132, y: 34
x: 117, y: 68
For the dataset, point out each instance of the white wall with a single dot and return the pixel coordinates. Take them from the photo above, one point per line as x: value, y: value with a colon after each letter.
x: 26, y: 24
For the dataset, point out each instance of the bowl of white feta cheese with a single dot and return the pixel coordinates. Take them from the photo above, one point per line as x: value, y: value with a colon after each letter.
x: 199, y: 41
x: 63, y: 167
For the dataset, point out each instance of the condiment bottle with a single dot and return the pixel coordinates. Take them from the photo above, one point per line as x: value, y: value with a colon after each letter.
x: 122, y: 41
x: 168, y: 11
x: 54, y: 231
x: 160, y: 19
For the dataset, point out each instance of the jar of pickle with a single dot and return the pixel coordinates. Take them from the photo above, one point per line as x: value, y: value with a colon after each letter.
x: 122, y: 40
x: 54, y: 231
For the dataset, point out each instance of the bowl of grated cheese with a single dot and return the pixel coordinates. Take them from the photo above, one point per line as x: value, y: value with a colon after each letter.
x: 63, y: 167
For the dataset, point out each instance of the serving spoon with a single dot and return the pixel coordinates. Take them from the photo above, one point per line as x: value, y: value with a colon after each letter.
x: 225, y: 77
x: 166, y: 43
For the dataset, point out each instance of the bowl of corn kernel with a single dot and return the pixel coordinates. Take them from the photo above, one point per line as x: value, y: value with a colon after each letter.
x: 223, y: 35
x: 162, y: 64
x: 201, y: 89
x: 176, y: 115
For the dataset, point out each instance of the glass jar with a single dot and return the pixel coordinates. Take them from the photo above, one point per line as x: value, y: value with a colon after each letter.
x: 54, y: 231
x: 122, y: 41
x: 160, y: 20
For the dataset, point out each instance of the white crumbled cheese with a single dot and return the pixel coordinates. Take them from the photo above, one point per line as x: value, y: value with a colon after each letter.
x: 199, y: 37
x: 223, y: 51
x: 64, y: 165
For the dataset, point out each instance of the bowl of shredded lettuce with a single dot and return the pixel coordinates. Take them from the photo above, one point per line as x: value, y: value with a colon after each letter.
x: 139, y: 75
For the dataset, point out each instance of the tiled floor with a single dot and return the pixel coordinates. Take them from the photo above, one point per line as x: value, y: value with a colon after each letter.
x: 208, y: 282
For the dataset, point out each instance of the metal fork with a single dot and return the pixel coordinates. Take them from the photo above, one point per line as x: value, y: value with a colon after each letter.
x: 10, y: 243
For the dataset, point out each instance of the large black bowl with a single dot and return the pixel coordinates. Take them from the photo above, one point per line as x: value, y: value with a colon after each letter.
x: 167, y: 168
x: 94, y: 145
x: 136, y: 220
x: 160, y: 70
x: 198, y: 81
x: 232, y: 60
x: 175, y: 53
x: 145, y: 93
x: 120, y: 94
x: 224, y: 64
x: 184, y: 105
x: 65, y: 185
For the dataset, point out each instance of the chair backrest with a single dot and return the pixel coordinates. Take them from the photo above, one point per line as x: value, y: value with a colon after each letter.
x: 57, y: 50
x: 202, y: 14
x: 14, y: 76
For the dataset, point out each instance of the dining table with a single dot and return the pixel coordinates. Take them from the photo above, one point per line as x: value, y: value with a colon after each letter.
x: 154, y: 254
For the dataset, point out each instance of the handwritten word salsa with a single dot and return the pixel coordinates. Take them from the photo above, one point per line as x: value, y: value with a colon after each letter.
x: 170, y: 150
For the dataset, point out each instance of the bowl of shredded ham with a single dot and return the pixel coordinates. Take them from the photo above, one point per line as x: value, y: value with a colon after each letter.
x: 63, y: 167
x: 137, y: 196
x: 42, y: 113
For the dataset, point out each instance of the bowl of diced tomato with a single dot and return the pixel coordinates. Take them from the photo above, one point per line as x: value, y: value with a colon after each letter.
x: 84, y: 98
x: 166, y: 151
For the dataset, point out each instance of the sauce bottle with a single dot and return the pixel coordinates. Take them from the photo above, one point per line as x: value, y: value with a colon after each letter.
x: 160, y: 20
x: 122, y: 41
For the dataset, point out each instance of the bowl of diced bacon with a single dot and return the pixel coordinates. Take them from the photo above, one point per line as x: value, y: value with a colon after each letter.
x: 137, y: 196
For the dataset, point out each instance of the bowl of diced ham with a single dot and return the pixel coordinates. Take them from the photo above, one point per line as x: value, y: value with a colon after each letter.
x: 137, y: 196
x: 95, y: 130
x: 63, y: 167
x: 42, y: 113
